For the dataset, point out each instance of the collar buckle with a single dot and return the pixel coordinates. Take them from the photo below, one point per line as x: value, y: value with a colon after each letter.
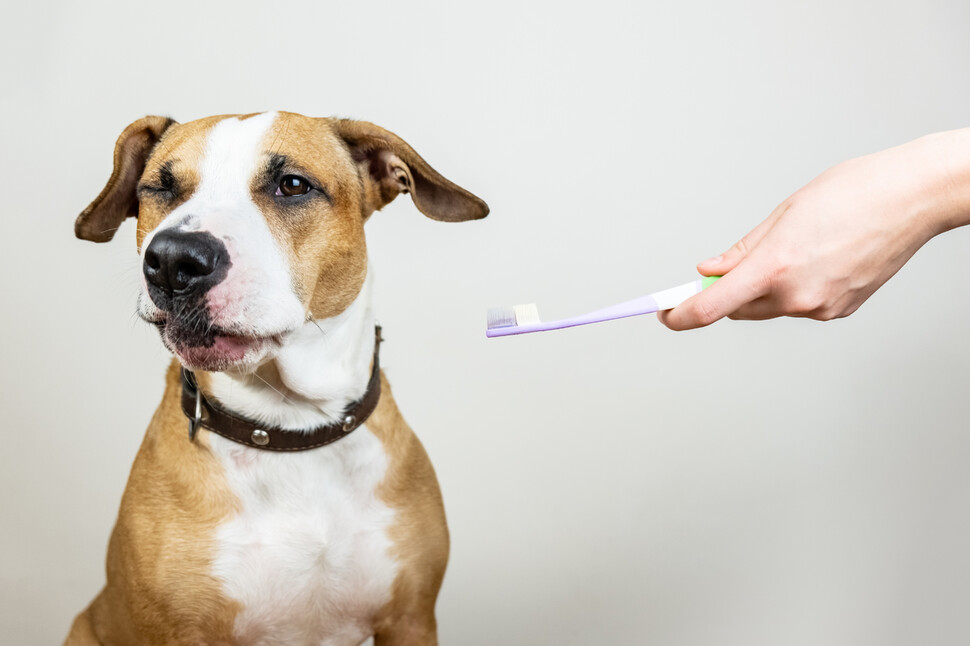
x: 196, y: 420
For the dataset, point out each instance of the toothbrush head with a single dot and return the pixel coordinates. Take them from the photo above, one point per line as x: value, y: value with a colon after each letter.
x: 505, y: 317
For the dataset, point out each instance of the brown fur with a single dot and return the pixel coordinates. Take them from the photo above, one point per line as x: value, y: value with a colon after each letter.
x: 159, y: 587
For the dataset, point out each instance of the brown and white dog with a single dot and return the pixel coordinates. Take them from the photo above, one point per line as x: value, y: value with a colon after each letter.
x: 251, y: 234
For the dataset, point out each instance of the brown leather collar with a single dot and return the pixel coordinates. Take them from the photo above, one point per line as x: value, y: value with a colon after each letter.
x: 209, y: 414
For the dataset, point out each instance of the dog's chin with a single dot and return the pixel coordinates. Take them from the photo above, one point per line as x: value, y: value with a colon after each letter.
x: 219, y: 351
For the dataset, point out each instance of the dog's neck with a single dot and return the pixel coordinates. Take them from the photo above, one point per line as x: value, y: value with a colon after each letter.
x: 320, y: 369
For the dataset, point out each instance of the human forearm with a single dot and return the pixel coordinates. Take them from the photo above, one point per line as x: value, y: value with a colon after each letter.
x: 951, y: 152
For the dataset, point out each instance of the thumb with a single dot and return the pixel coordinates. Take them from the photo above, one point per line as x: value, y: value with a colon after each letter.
x: 717, y: 301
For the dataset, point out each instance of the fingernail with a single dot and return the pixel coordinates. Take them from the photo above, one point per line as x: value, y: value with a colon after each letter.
x: 712, y: 261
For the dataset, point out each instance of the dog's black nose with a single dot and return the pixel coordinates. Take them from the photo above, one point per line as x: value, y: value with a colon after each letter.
x: 179, y: 263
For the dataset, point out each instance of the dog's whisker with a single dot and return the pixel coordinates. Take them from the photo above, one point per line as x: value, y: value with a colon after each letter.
x: 314, y: 321
x: 271, y: 387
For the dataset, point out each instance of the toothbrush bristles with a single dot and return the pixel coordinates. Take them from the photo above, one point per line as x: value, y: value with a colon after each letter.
x: 500, y: 317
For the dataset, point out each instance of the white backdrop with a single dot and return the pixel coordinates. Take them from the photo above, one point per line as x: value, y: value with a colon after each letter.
x: 787, y: 482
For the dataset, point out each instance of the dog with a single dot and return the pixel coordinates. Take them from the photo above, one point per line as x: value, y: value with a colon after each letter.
x: 278, y: 496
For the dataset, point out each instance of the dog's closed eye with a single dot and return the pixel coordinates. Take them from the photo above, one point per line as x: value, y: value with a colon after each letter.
x: 163, y: 185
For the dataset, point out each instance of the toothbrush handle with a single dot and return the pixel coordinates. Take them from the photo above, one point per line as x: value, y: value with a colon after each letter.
x: 671, y: 298
x: 664, y: 300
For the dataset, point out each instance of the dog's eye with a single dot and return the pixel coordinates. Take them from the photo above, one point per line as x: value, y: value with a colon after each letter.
x: 292, y: 185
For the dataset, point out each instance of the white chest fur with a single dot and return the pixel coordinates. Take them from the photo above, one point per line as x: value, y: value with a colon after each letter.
x: 308, y: 555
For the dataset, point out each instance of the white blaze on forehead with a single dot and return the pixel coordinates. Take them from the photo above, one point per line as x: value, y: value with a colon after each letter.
x: 232, y: 157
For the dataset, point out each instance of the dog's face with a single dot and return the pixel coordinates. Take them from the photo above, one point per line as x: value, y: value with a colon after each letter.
x: 250, y: 226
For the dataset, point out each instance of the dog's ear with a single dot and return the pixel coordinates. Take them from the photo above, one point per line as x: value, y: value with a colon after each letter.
x: 118, y: 200
x: 390, y: 166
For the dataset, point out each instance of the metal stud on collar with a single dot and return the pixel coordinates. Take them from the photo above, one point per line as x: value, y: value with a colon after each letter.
x: 260, y: 437
x: 349, y: 422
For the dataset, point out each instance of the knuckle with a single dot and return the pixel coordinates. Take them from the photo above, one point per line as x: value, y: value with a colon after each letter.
x: 823, y: 314
x: 787, y: 204
x: 847, y: 311
x: 704, y: 313
x: 765, y: 282
x: 762, y: 281
x: 805, y: 304
x: 834, y: 312
x: 783, y: 265
x: 741, y: 247
x: 799, y: 306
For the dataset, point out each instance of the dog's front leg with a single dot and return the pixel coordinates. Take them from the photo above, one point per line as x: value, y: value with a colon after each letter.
x: 409, y: 631
x: 82, y: 632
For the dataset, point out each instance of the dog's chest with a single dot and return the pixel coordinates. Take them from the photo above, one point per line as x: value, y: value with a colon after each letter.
x: 308, y: 556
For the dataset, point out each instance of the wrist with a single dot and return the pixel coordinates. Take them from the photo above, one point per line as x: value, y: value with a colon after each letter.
x: 945, y: 157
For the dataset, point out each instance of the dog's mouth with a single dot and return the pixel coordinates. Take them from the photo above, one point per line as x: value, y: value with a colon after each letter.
x: 224, y: 352
x: 199, y: 345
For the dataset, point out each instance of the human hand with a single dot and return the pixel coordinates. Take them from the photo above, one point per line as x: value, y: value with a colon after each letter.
x: 827, y: 248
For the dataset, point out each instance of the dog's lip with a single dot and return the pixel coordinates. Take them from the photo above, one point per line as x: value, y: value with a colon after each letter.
x: 163, y: 321
x: 229, y: 336
x: 225, y: 351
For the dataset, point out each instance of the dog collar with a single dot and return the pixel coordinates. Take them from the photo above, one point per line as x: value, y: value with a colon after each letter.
x: 210, y: 415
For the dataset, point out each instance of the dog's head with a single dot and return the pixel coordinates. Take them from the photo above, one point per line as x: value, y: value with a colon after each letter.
x: 249, y: 226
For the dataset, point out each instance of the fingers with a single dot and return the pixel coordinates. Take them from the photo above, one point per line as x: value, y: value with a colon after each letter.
x: 721, y: 299
x: 801, y: 304
x: 720, y: 265
x: 742, y: 283
x: 760, y: 309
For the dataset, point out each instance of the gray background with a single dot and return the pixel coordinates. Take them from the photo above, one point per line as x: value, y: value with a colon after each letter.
x: 787, y: 482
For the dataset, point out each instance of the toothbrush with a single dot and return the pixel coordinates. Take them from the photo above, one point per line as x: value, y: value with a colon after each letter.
x: 522, y: 319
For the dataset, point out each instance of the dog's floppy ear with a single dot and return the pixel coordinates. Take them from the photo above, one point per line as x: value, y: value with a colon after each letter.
x: 390, y: 166
x: 118, y: 200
